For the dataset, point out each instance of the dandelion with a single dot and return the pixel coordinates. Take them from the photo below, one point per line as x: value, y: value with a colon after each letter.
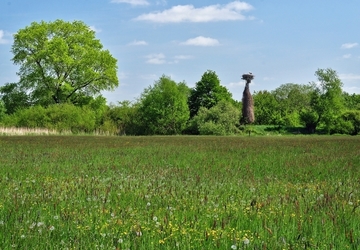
x: 120, y: 240
x: 246, y: 241
x: 52, y: 228
x: 155, y: 218
x: 22, y: 236
x: 148, y: 204
x: 39, y: 224
x: 234, y: 247
x: 56, y: 217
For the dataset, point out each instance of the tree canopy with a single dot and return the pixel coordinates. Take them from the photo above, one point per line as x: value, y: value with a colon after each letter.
x: 207, y: 93
x: 163, y: 107
x: 62, y: 62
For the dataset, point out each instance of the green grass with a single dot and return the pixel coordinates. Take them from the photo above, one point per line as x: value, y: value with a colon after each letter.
x: 185, y: 192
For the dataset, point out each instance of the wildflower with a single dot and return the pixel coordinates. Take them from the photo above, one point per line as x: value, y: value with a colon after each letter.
x: 234, y: 247
x: 52, y: 228
x: 148, y: 204
x: 39, y: 224
x: 22, y: 236
x: 246, y: 241
x: 120, y: 240
x: 161, y: 241
x: 155, y: 218
x: 56, y: 217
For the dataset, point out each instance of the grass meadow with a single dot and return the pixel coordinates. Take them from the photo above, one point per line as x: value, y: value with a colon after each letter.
x: 185, y: 192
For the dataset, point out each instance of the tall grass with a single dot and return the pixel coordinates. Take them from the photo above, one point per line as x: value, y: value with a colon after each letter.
x: 60, y: 192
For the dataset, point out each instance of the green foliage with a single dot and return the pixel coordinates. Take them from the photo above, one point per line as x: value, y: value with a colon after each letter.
x: 163, y: 107
x: 2, y: 110
x: 207, y: 93
x: 347, y: 123
x: 221, y: 119
x: 13, y: 97
x: 327, y: 98
x: 122, y: 119
x: 62, y: 62
x: 351, y: 102
x: 266, y: 108
x: 309, y: 119
x: 60, y: 117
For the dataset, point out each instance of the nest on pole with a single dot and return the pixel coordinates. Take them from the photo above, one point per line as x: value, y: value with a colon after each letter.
x: 248, y: 116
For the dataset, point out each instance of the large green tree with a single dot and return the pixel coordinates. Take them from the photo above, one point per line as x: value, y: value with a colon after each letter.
x: 207, y: 93
x: 326, y: 101
x: 163, y: 107
x: 62, y: 62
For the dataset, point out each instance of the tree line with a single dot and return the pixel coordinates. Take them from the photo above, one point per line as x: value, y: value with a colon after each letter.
x: 64, y: 68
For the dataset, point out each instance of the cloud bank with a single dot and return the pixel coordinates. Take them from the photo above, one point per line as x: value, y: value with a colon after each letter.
x: 188, y: 13
x: 349, y: 45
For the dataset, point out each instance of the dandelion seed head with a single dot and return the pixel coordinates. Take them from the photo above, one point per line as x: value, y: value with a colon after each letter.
x: 234, y: 247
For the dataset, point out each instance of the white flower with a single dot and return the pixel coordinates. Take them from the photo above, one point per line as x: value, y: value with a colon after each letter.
x: 234, y: 247
x: 22, y: 236
x: 52, y: 228
x: 155, y: 218
x: 39, y: 224
x: 120, y: 241
x: 148, y: 204
x: 56, y: 217
x: 246, y: 241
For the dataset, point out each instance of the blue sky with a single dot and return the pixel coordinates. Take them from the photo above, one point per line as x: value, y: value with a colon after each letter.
x: 279, y: 41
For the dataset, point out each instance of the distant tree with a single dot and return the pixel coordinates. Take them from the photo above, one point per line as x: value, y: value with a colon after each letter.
x: 207, y: 93
x: 351, y: 102
x: 163, y: 107
x: 62, y: 62
x: 347, y: 123
x: 291, y: 99
x: 266, y: 108
x: 326, y: 100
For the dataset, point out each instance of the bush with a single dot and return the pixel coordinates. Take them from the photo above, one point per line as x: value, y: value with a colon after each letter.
x: 347, y: 123
x: 222, y: 119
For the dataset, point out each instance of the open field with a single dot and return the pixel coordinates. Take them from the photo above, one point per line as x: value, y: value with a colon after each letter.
x: 86, y: 192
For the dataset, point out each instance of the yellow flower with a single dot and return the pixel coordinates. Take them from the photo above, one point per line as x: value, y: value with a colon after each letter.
x: 161, y: 241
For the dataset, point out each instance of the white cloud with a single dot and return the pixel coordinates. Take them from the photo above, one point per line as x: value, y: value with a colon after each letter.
x: 93, y: 28
x: 349, y: 77
x: 156, y: 58
x: 346, y: 56
x: 201, y: 41
x: 132, y: 2
x: 349, y: 45
x: 188, y: 13
x: 2, y: 39
x: 138, y: 43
